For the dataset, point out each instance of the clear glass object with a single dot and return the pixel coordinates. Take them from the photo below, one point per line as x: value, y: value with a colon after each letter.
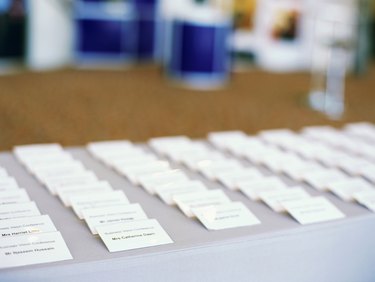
x: 333, y: 49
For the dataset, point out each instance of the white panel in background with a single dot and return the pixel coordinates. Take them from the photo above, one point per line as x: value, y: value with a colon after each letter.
x: 50, y: 30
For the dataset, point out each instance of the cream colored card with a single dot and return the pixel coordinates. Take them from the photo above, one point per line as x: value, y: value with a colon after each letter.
x: 133, y: 235
x: 112, y: 215
x: 72, y: 168
x: 150, y: 181
x: 37, y: 150
x: 105, y: 199
x: 33, y: 249
x: 219, y: 167
x: 195, y: 161
x: 18, y: 210
x: 313, y: 210
x: 224, y: 138
x: 346, y: 189
x: 321, y: 179
x: 134, y: 172
x: 55, y: 183
x: 298, y: 172
x: 230, y: 178
x: 276, y: 199
x: 167, y: 191
x: 8, y: 183
x: 26, y: 226
x: 253, y: 188
x: 230, y: 215
x: 66, y: 192
x: 366, y: 198
x: 13, y: 197
x: 189, y: 201
x: 3, y: 173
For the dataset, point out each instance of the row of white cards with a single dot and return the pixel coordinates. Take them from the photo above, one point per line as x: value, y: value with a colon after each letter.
x: 285, y: 155
x: 106, y: 211
x: 232, y: 174
x: 26, y: 236
x: 212, y: 207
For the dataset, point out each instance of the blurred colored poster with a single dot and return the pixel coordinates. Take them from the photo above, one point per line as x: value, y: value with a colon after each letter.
x: 244, y: 14
x: 12, y: 29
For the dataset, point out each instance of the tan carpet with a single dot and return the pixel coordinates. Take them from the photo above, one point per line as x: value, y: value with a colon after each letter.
x: 77, y: 106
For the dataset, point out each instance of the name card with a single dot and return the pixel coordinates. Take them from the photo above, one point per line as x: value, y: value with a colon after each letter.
x: 366, y: 198
x: 231, y: 178
x: 313, y: 210
x: 18, y: 210
x: 83, y: 178
x: 321, y: 179
x: 33, y: 249
x: 26, y: 226
x: 166, y: 192
x: 112, y: 198
x: 346, y: 189
x: 150, y: 181
x: 8, y: 183
x: 186, y: 202
x: 112, y: 215
x: 66, y: 192
x: 276, y: 199
x: 230, y: 215
x: 13, y: 197
x: 133, y: 235
x: 253, y: 188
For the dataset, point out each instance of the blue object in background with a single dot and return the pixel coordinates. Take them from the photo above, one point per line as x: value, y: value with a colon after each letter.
x: 105, y: 32
x: 147, y: 22
x: 13, y: 26
x: 199, y: 55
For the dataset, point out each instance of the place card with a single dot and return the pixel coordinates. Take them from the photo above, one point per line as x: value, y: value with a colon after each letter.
x: 26, y: 226
x: 230, y: 178
x: 276, y: 199
x: 163, y: 144
x: 166, y: 192
x: 313, y: 210
x: 133, y: 172
x: 150, y: 181
x: 105, y: 146
x: 33, y: 249
x: 37, y: 149
x: 195, y: 161
x: 3, y: 173
x: 8, y: 183
x: 298, y: 172
x: 366, y: 198
x: 74, y: 168
x: 253, y: 188
x: 230, y: 215
x: 133, y: 235
x: 65, y: 192
x: 346, y: 189
x: 13, y: 197
x: 197, y: 150
x: 189, y: 201
x: 112, y: 215
x: 46, y: 160
x: 55, y: 183
x: 223, y: 138
x: 367, y: 172
x: 321, y: 179
x: 218, y: 167
x: 56, y: 164
x: 105, y: 199
x: 131, y: 160
x: 18, y: 210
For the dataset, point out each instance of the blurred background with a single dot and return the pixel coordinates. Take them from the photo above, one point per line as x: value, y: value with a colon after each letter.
x: 74, y: 71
